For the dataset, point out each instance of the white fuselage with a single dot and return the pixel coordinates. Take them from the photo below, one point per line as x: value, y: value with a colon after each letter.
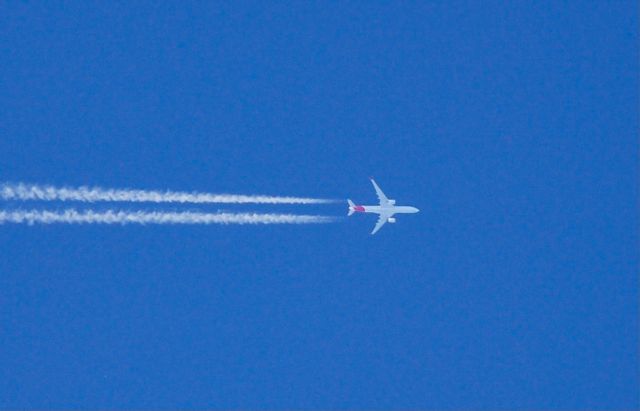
x: 386, y: 209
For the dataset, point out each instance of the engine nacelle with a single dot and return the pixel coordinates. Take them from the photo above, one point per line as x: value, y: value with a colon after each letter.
x: 391, y: 220
x: 392, y: 202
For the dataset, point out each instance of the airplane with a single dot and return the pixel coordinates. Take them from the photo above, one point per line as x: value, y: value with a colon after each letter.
x: 386, y: 210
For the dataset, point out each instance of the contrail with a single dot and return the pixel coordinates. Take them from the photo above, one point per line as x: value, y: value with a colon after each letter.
x: 25, y: 192
x: 72, y: 216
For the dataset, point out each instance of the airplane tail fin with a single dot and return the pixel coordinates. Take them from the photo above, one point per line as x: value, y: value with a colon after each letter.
x: 351, y: 207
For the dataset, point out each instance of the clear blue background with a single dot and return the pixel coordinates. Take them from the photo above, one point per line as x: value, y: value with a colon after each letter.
x: 512, y: 125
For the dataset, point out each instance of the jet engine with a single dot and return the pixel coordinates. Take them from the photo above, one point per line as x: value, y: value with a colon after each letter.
x: 391, y: 220
x: 392, y: 202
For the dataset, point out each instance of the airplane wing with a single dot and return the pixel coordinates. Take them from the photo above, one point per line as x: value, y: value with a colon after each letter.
x: 381, y: 197
x: 381, y: 220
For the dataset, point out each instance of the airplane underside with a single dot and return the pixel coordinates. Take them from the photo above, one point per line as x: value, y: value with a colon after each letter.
x: 386, y: 210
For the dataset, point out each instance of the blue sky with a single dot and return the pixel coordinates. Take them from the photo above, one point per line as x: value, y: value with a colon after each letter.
x: 513, y: 127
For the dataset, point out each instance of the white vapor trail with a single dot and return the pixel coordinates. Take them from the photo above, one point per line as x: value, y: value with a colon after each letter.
x: 86, y: 194
x: 72, y: 216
